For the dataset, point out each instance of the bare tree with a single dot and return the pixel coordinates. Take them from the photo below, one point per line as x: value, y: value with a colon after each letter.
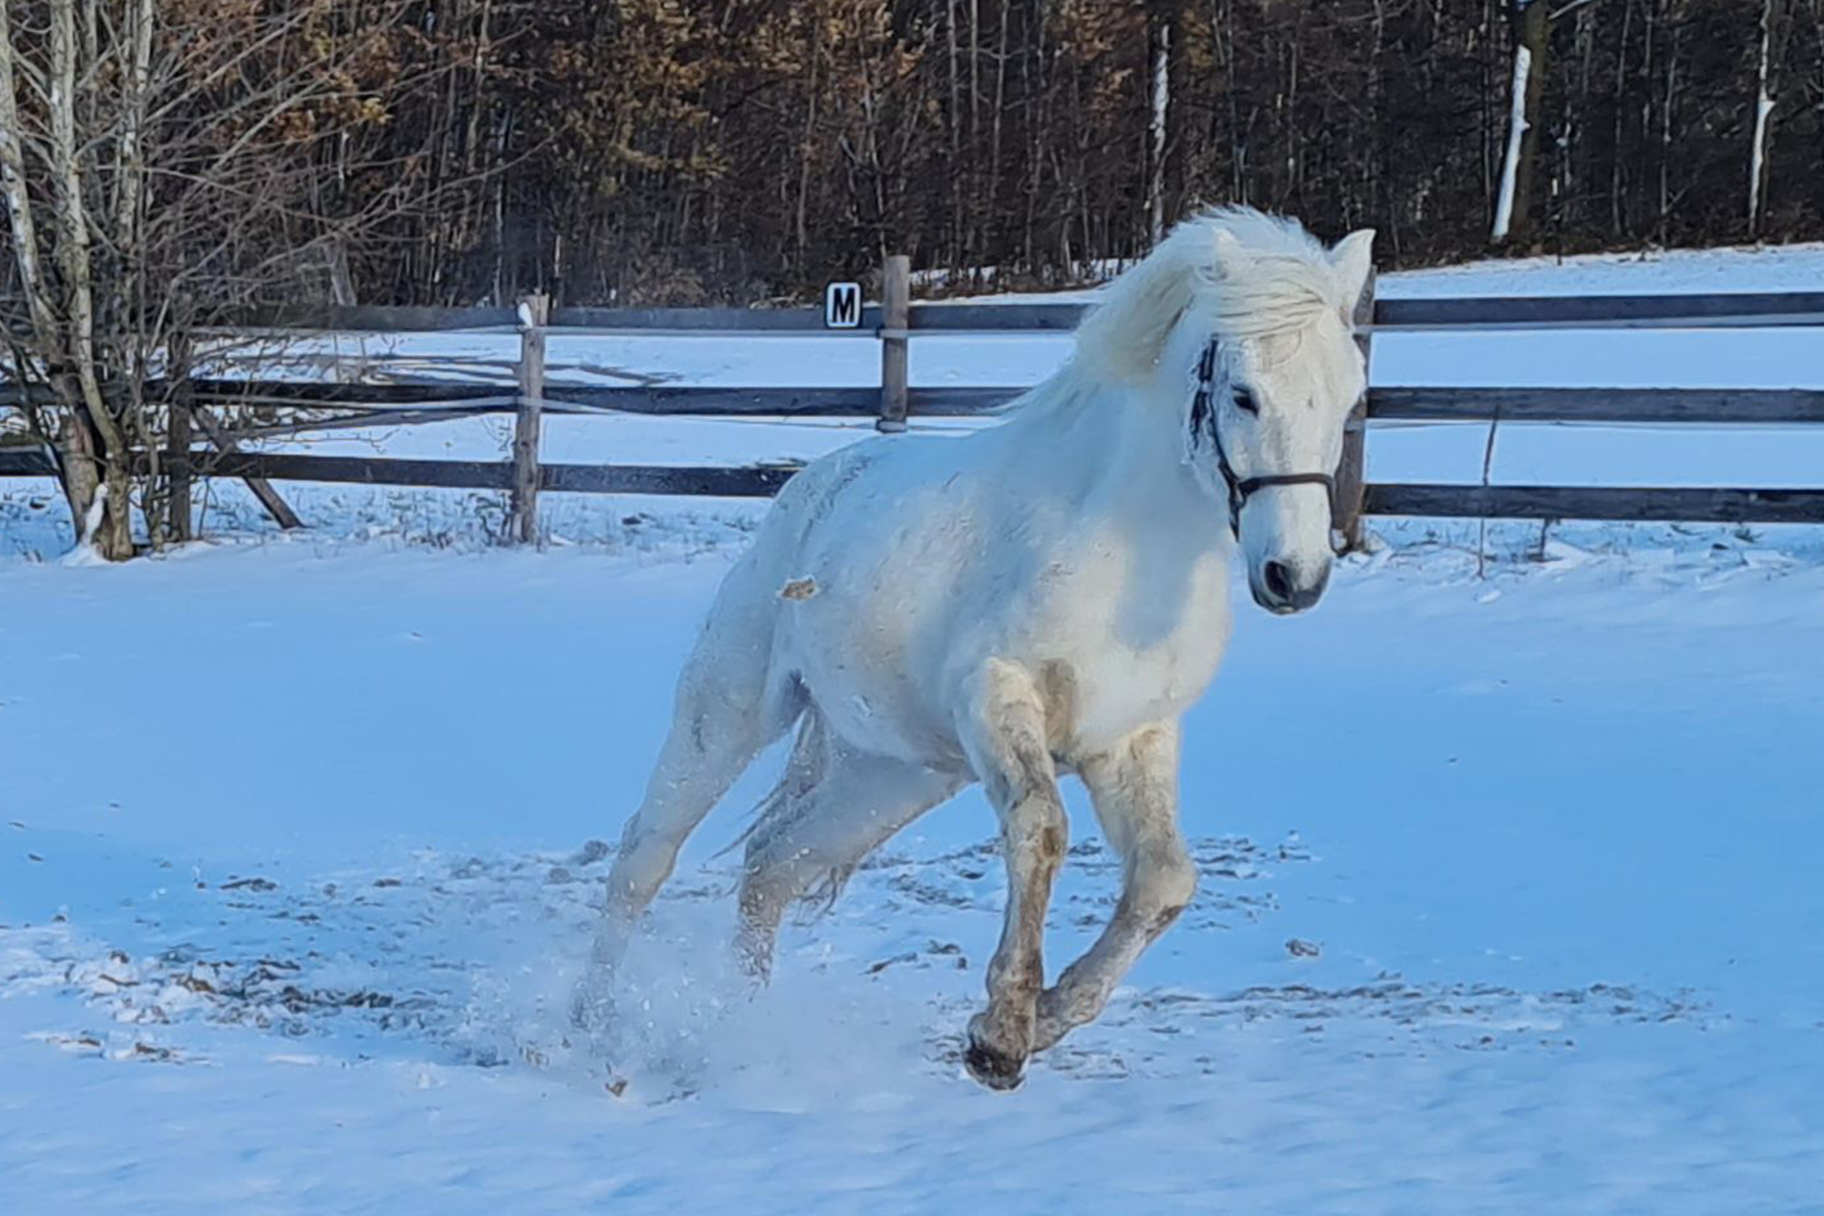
x: 162, y: 165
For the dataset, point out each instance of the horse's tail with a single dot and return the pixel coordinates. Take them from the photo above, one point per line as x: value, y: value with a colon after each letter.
x: 804, y: 771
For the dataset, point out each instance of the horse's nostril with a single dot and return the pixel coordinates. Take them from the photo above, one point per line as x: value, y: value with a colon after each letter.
x: 1278, y: 579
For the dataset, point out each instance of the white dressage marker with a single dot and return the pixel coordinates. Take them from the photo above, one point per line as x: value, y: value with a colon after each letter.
x: 1046, y: 596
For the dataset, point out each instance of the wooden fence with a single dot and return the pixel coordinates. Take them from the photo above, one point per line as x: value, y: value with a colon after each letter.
x: 531, y: 395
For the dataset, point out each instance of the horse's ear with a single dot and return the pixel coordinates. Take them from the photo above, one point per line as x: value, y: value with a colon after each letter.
x: 1353, y: 258
x: 1231, y: 254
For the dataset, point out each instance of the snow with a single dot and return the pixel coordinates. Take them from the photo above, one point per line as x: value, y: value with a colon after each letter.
x: 300, y: 836
x: 300, y: 940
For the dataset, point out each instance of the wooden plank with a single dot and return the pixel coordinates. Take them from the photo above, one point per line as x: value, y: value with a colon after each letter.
x: 1723, y: 309
x: 1444, y: 501
x: 369, y: 418
x: 942, y: 318
x: 1352, y: 469
x: 760, y: 481
x: 309, y: 392
x: 1654, y: 405
x: 997, y: 318
x: 1388, y: 403
x: 896, y: 309
x: 708, y: 320
x: 26, y: 462
x: 710, y: 402
x: 368, y: 470
x: 178, y: 438
x: 522, y: 524
x: 694, y: 401
x: 749, y: 482
x: 681, y: 400
x: 1698, y: 505
x: 262, y: 489
x: 1726, y: 310
x: 375, y: 318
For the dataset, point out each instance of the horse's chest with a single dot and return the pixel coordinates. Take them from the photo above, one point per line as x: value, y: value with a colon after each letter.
x: 1128, y: 651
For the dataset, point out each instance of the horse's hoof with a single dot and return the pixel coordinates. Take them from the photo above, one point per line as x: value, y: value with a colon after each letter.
x: 995, y: 1069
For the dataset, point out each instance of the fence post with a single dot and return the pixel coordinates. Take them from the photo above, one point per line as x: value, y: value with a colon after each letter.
x: 534, y: 313
x: 178, y: 438
x: 1352, y: 472
x: 896, y: 320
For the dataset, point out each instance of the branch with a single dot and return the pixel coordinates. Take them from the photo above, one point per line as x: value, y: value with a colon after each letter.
x: 1566, y: 9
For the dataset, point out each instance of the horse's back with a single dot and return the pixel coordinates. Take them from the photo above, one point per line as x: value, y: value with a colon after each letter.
x: 866, y: 553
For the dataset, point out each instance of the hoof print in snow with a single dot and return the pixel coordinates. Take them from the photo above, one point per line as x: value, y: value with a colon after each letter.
x: 799, y: 589
x: 1298, y: 947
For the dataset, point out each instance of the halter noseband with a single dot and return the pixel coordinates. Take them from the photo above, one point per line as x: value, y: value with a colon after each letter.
x: 1203, y: 414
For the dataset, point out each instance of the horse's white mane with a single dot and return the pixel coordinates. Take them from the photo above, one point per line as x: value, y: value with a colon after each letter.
x: 1249, y: 273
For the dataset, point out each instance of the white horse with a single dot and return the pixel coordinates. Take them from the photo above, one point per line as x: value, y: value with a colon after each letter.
x: 1045, y: 596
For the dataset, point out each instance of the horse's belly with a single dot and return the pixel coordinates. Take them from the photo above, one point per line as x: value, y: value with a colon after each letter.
x: 866, y: 650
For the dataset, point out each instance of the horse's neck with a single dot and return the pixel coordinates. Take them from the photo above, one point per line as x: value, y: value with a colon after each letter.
x: 1117, y: 447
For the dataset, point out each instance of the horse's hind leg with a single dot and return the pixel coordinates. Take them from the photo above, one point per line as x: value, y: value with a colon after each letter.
x: 820, y: 830
x: 1135, y: 790
x: 730, y: 704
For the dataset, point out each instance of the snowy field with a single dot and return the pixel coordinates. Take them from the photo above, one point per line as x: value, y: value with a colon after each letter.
x: 1509, y: 894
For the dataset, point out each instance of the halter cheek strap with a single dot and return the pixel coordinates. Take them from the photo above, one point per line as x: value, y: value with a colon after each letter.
x: 1203, y: 418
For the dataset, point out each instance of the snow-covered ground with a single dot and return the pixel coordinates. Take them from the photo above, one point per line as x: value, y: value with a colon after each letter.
x: 299, y: 838
x: 295, y: 872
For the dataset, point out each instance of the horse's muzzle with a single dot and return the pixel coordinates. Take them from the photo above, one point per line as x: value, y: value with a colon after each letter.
x: 1283, y: 589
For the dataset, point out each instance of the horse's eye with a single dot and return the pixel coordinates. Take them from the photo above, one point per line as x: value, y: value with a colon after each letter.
x: 1244, y: 401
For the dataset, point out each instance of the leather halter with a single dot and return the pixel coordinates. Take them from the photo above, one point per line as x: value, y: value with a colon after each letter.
x: 1203, y: 415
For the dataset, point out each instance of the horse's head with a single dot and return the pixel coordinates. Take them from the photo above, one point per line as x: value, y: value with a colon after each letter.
x: 1266, y: 430
x: 1266, y: 313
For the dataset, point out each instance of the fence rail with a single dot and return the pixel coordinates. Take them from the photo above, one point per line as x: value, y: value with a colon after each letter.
x: 528, y: 395
x: 403, y: 402
x: 1758, y: 310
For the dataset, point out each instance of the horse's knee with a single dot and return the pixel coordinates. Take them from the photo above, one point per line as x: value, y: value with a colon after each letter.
x: 1041, y: 826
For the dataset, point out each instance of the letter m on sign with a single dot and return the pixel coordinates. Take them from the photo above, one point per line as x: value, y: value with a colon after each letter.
x: 842, y: 306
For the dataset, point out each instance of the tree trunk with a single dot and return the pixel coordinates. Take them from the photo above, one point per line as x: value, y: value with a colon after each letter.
x: 1161, y: 102
x: 111, y: 535
x: 1513, y: 206
x: 1763, y: 119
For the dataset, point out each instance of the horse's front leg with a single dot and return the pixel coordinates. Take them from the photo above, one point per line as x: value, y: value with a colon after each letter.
x: 1135, y: 789
x: 1003, y: 730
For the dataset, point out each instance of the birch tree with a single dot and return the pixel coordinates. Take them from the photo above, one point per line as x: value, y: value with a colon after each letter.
x: 1160, y: 100
x: 1766, y: 82
x: 162, y: 165
x: 1531, y: 27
